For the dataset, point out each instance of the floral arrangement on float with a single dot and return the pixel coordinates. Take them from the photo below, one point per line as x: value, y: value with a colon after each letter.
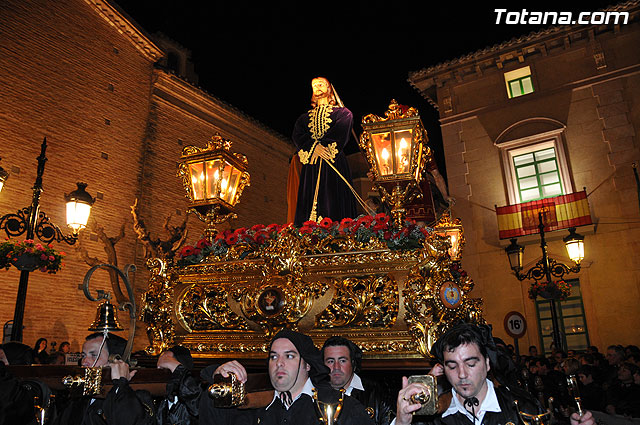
x: 363, y: 229
x: 30, y: 255
x: 557, y: 290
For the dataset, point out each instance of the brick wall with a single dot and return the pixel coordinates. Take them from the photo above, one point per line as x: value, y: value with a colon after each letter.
x: 71, y: 75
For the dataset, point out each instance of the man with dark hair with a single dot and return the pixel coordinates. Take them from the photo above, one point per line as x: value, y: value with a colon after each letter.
x: 591, y: 392
x: 533, y: 351
x: 622, y: 398
x: 122, y: 405
x: 466, y: 353
x: 180, y: 406
x: 16, y: 395
x: 299, y: 378
x: 344, y: 359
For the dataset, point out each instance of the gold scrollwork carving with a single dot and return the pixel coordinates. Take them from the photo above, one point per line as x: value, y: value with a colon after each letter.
x: 203, y: 308
x: 157, y: 307
x: 296, y: 300
x: 427, y: 316
x: 366, y: 302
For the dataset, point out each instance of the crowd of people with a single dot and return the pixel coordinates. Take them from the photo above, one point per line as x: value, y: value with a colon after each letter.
x: 607, y: 382
x: 479, y: 377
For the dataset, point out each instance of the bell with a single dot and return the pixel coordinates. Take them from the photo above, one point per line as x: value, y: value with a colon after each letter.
x: 106, y: 318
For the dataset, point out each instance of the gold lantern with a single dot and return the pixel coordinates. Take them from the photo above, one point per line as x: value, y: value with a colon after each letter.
x: 396, y: 148
x: 214, y: 178
x: 452, y: 229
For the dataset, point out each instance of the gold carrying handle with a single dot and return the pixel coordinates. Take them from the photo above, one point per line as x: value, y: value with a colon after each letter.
x: 572, y: 383
x: 91, y: 381
x: 227, y: 392
x: 428, y: 399
x: 421, y: 398
x: 541, y: 419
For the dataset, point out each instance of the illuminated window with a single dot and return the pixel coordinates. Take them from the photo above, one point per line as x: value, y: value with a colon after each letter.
x: 518, y: 82
x: 535, y: 167
x: 571, y: 318
x: 537, y: 174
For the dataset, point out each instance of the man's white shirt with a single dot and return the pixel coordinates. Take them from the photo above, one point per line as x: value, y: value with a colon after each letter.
x: 355, y: 384
x: 489, y: 404
x: 307, y: 389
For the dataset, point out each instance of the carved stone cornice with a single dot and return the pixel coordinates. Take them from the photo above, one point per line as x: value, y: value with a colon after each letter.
x: 136, y: 36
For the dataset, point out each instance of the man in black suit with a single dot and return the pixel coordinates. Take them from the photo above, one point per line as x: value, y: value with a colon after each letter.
x: 344, y: 359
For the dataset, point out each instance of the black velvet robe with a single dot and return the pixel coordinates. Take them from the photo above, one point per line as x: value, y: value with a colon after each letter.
x: 508, y: 413
x: 302, y: 412
x: 335, y: 199
x: 122, y: 406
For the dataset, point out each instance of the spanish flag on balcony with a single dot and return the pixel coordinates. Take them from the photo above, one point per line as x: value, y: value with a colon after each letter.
x: 561, y: 212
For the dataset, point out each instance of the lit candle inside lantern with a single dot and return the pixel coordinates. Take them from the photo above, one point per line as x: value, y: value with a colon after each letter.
x: 385, y: 161
x: 402, y: 156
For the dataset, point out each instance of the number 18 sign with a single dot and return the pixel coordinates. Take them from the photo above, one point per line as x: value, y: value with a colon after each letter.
x: 515, y: 324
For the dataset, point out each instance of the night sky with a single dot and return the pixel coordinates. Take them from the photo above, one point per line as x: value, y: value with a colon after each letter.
x: 261, y: 57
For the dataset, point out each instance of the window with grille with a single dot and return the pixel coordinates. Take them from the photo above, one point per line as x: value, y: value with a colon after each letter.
x: 537, y: 175
x: 519, y: 82
x: 571, y: 319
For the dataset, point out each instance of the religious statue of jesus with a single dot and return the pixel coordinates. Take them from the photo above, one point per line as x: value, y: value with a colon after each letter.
x: 320, y: 136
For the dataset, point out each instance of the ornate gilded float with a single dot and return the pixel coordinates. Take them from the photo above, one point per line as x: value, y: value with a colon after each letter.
x: 390, y: 285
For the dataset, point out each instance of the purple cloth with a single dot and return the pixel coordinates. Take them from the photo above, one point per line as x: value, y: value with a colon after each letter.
x: 335, y: 199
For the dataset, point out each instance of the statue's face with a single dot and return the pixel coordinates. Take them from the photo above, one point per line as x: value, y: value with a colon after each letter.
x: 320, y: 87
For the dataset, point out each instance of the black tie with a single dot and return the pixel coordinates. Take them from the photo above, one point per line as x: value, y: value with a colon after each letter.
x: 286, y: 399
x: 472, y: 402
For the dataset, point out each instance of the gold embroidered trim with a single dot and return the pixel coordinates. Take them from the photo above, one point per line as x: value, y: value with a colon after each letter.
x: 319, y: 124
x: 333, y: 150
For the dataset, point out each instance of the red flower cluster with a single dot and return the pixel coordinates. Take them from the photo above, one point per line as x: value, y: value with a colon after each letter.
x: 45, y: 257
x: 558, y: 290
x: 364, y: 228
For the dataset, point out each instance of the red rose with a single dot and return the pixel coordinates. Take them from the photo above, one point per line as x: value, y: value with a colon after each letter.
x: 306, y: 230
x: 273, y: 228
x: 257, y: 227
x: 240, y: 230
x: 312, y: 224
x: 202, y: 243
x: 231, y: 239
x: 365, y: 220
x: 260, y: 238
x: 186, y: 251
x: 380, y: 226
x: 326, y: 223
x: 382, y: 218
x: 346, y: 222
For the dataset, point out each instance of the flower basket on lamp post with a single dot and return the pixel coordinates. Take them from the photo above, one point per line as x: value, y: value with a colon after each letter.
x: 557, y: 290
x: 30, y: 255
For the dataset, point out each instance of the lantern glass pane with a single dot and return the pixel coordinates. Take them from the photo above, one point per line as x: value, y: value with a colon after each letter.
x: 225, y: 191
x: 454, y: 238
x: 233, y: 186
x: 575, y: 249
x: 403, y: 139
x: 213, y: 173
x: 197, y: 180
x: 382, y: 146
x: 77, y: 215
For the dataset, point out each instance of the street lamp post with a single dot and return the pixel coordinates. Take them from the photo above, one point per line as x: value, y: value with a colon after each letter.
x: 546, y: 267
x: 32, y: 222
